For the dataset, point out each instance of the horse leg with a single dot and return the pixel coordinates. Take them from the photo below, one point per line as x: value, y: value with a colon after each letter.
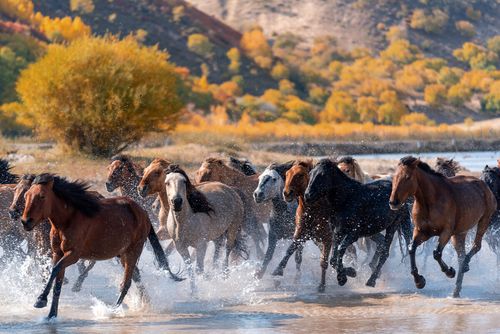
x: 418, y: 239
x: 170, y: 248
x: 444, y: 237
x: 325, y: 252
x: 379, y: 241
x: 62, y: 262
x: 383, y: 250
x: 482, y: 227
x: 458, y: 242
x: 342, y: 272
x: 83, y: 273
x: 201, y: 250
x: 136, y: 277
x: 289, y: 252
x: 271, y: 246
x: 219, y: 242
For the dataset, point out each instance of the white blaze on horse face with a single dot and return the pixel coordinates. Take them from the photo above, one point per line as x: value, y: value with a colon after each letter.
x: 270, y: 184
x: 175, y: 185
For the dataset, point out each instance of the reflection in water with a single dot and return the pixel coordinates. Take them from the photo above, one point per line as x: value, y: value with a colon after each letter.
x: 243, y: 304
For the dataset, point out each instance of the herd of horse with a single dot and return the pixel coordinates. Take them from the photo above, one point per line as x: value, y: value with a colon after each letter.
x: 331, y: 202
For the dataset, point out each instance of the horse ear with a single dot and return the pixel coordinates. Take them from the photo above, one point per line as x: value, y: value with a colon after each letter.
x: 486, y: 168
x: 415, y: 163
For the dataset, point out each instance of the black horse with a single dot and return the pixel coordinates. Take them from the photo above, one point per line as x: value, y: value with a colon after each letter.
x: 6, y: 177
x: 357, y: 210
x: 491, y: 175
x: 243, y: 165
x: 282, y: 221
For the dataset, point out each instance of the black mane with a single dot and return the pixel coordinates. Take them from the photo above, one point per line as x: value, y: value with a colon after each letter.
x: 126, y: 160
x: 447, y: 167
x: 74, y: 193
x: 281, y: 169
x: 6, y: 177
x: 410, y: 160
x: 242, y: 165
x: 197, y: 200
x: 346, y: 160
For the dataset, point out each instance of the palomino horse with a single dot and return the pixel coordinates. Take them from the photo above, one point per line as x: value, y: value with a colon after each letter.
x: 211, y: 211
x: 444, y: 207
x: 281, y: 225
x: 39, y: 241
x: 85, y: 227
x: 356, y: 210
x: 351, y: 167
x: 214, y: 169
x: 312, y: 221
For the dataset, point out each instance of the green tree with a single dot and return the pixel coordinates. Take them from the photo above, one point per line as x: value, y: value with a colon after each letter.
x: 201, y: 45
x: 99, y: 95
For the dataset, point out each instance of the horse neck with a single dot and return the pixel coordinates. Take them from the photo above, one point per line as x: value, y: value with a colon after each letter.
x: 427, y: 188
x: 181, y: 219
x: 60, y: 214
x: 342, y: 189
x: 129, y: 187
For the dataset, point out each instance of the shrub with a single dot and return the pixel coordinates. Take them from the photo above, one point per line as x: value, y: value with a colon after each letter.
x: 472, y: 14
x: 400, y: 51
x: 255, y: 44
x: 339, y: 107
x: 416, y: 118
x: 458, y: 94
x: 83, y: 6
x: 99, y: 95
x: 200, y: 44
x: 280, y: 72
x: 178, y: 13
x: 431, y: 23
x: 11, y: 120
x: 494, y: 44
x: 395, y: 33
x: 234, y: 60
x: 435, y: 95
x: 21, y: 9
x: 465, y: 28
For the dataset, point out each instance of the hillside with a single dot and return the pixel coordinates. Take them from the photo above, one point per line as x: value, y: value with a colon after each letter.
x: 156, y: 21
x: 357, y: 23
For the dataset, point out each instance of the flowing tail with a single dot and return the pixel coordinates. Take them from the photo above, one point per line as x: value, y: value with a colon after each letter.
x: 160, y: 255
x: 240, y: 247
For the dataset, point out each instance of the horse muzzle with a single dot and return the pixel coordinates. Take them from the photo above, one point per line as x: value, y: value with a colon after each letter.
x: 14, y: 214
x: 258, y: 197
x: 288, y: 196
x: 110, y: 187
x: 28, y: 224
x: 177, y: 204
x: 395, y: 205
x: 143, y: 190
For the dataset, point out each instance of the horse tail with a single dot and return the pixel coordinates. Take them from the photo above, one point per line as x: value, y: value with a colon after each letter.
x: 159, y: 254
x: 405, y: 233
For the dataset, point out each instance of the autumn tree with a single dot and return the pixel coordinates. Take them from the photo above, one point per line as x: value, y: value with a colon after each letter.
x: 201, y: 45
x: 234, y: 60
x: 99, y: 95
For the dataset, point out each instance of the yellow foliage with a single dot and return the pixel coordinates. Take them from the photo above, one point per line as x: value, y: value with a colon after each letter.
x: 459, y: 94
x: 416, y: 118
x: 64, y: 28
x: 234, y: 60
x: 255, y: 44
x: 465, y: 28
x: 435, y: 95
x: 401, y: 51
x: 21, y: 9
x: 263, y: 61
x: 200, y: 44
x: 339, y: 107
x: 99, y: 95
x: 286, y: 87
x: 84, y: 6
x: 431, y: 23
x: 226, y: 91
x: 395, y: 33
x: 367, y: 107
x: 280, y: 72
x: 392, y: 109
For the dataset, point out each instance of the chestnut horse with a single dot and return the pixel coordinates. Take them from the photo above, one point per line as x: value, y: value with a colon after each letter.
x: 39, y: 240
x: 312, y: 221
x: 444, y: 207
x: 215, y: 169
x: 85, y: 227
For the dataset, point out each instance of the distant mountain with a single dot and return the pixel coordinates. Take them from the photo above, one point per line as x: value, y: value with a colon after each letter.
x: 359, y: 23
x: 156, y: 18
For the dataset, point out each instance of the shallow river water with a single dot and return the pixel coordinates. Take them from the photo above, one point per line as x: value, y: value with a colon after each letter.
x: 242, y: 304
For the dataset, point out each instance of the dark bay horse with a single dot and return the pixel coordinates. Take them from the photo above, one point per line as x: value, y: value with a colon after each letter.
x: 356, y: 210
x: 281, y: 224
x: 85, y: 227
x: 312, y: 221
x: 444, y: 207
x: 39, y: 242
x: 6, y: 177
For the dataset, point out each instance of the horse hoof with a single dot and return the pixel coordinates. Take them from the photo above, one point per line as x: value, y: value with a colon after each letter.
x: 76, y: 288
x: 278, y: 272
x: 321, y: 288
x: 456, y: 294
x: 420, y: 282
x: 371, y: 282
x: 450, y: 272
x: 351, y: 272
x: 40, y: 303
x: 342, y: 279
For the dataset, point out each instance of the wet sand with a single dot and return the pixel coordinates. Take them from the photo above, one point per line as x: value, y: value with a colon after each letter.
x: 244, y: 305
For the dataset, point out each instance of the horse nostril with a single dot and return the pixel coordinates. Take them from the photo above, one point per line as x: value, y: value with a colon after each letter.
x: 177, y: 203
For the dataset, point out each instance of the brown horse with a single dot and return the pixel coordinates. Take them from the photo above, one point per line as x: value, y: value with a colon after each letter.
x: 11, y: 235
x: 85, y: 227
x: 444, y: 207
x: 215, y: 169
x: 39, y: 240
x: 447, y: 167
x: 312, y: 221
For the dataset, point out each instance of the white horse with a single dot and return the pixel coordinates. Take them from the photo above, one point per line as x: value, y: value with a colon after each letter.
x: 198, y: 214
x: 282, y: 221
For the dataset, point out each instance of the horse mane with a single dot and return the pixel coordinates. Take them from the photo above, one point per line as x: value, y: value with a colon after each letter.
x: 358, y: 172
x: 234, y: 161
x: 447, y: 165
x: 308, y: 164
x: 128, y: 162
x: 281, y: 168
x: 74, y: 193
x: 162, y: 162
x: 6, y: 177
x: 410, y: 160
x: 243, y: 165
x: 28, y: 177
x: 197, y: 200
